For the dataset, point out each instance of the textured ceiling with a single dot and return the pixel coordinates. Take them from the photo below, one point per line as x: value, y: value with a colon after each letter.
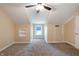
x: 21, y: 15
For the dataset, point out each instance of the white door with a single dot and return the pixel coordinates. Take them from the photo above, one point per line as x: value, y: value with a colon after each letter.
x: 77, y: 31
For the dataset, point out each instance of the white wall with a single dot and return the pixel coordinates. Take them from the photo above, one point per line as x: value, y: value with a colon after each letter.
x: 71, y: 31
x: 7, y: 30
x: 77, y: 31
x: 55, y: 34
x: 25, y: 39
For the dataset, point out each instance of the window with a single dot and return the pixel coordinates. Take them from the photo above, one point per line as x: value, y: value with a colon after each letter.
x: 22, y: 32
x: 38, y: 29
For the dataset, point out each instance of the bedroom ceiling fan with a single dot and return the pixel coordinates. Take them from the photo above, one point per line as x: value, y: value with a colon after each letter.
x: 40, y: 6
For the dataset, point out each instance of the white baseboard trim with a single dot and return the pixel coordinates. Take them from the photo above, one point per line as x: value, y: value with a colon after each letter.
x: 69, y: 43
x: 7, y: 46
x: 65, y: 42
x: 72, y: 44
x: 57, y: 42
x: 22, y: 42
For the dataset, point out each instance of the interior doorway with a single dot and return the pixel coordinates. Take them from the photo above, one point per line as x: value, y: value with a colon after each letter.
x: 38, y: 31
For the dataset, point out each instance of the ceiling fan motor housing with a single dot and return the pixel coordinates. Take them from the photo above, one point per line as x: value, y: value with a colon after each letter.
x: 38, y: 11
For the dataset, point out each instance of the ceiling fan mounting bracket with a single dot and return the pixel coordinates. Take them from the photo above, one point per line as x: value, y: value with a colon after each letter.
x: 38, y: 11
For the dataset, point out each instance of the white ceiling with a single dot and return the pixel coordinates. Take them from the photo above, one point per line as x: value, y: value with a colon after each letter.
x: 20, y: 14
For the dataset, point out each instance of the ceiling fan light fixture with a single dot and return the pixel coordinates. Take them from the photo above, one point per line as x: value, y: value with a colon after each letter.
x: 39, y: 7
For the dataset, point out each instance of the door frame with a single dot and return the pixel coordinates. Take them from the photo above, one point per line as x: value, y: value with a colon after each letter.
x: 45, y: 33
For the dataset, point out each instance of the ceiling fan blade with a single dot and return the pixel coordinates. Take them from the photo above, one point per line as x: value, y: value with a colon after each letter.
x: 46, y: 7
x: 30, y: 6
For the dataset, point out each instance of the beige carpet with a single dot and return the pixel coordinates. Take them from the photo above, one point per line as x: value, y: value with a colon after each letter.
x: 40, y: 48
x: 37, y: 48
